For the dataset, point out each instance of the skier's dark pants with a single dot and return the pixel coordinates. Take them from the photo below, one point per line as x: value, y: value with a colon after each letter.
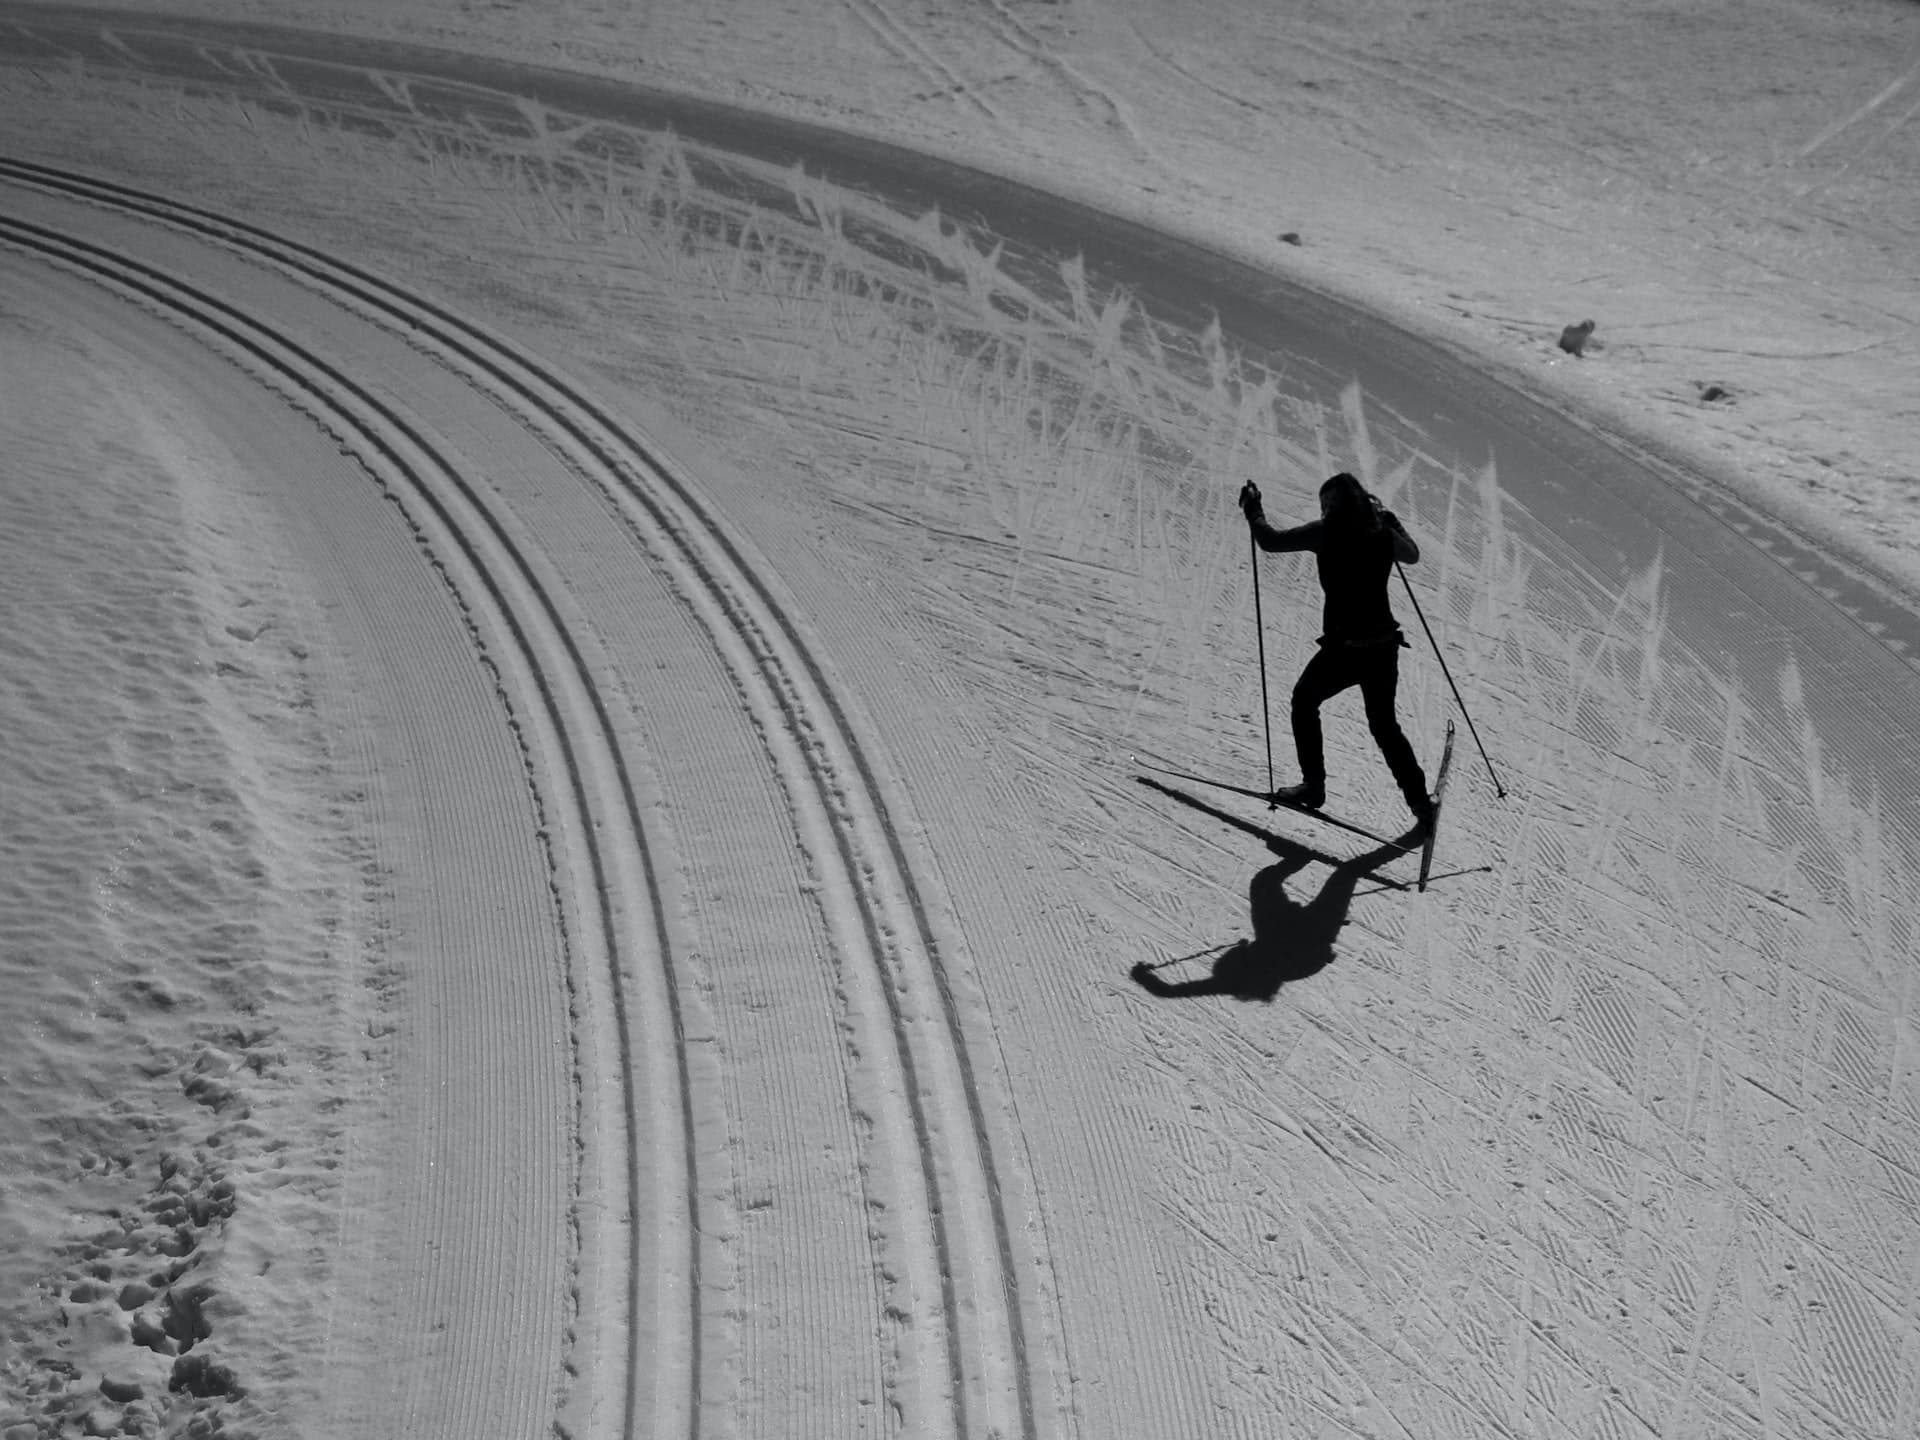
x: 1376, y: 670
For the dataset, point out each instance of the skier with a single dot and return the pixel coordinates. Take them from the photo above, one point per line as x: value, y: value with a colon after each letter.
x: 1355, y: 543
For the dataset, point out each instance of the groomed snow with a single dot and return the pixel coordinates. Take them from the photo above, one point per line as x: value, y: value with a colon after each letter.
x: 1731, y: 191
x: 626, y: 909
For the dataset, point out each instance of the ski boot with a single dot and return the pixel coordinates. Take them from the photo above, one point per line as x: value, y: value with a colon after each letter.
x: 1424, y: 810
x: 1307, y: 795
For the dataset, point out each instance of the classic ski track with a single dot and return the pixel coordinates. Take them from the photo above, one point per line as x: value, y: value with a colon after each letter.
x: 468, y: 548
x: 831, y: 778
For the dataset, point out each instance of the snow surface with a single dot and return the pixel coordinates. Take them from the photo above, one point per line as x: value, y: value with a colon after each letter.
x: 1731, y: 191
x: 747, y: 995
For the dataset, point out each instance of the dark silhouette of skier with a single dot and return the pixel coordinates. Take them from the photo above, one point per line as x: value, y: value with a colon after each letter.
x: 1291, y: 940
x: 1355, y: 543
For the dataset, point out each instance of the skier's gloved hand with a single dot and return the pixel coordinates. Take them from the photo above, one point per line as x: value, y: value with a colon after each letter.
x: 1250, y: 503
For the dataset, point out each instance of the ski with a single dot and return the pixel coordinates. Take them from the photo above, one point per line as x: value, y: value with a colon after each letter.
x: 1439, y: 794
x: 1276, y: 804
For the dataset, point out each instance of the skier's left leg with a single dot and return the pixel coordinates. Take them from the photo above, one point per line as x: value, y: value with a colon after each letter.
x: 1326, y: 675
x: 1380, y: 688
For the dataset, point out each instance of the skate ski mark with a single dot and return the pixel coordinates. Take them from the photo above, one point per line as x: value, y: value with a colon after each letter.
x: 901, y: 41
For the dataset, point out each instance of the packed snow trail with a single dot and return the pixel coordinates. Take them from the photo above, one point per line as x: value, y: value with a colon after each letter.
x: 923, y: 1152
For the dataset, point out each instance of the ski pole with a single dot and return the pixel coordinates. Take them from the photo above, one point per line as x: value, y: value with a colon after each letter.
x: 1472, y: 729
x: 1179, y: 959
x: 1260, y: 634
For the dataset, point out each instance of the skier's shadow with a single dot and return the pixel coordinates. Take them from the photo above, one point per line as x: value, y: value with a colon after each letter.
x: 1292, y: 939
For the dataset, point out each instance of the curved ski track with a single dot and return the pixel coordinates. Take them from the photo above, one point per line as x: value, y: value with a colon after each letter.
x: 953, y: 1271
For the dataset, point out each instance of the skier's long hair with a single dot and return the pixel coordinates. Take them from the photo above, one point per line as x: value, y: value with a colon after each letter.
x: 1346, y: 506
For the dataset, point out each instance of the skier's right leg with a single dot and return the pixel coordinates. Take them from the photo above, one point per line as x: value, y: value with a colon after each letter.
x: 1379, y: 687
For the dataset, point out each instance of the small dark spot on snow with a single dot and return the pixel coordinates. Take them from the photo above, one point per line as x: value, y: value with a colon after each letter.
x: 1574, y: 338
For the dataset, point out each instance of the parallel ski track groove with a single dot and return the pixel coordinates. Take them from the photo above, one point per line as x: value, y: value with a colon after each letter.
x: 242, y: 331
x: 502, y: 365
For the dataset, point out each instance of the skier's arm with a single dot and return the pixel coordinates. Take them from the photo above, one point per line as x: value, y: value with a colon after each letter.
x: 1299, y: 537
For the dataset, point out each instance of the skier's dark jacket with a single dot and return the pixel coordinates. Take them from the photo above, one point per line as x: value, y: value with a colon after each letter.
x: 1354, y: 547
